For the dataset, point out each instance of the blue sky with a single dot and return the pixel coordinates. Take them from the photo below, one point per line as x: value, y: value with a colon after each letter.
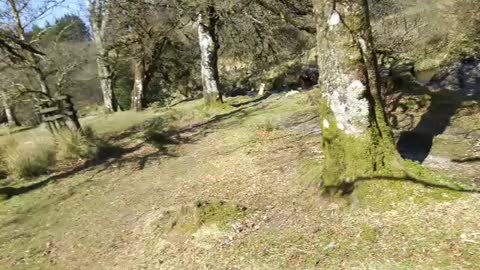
x: 76, y: 7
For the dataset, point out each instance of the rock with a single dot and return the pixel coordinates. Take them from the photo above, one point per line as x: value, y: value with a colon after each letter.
x: 261, y: 90
x: 239, y: 91
x: 292, y: 93
x: 462, y: 77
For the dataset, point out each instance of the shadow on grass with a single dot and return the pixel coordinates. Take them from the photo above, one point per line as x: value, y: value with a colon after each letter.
x: 106, y: 152
x: 114, y: 155
x: 348, y: 188
x: 255, y: 100
x: 467, y: 160
x: 446, y: 98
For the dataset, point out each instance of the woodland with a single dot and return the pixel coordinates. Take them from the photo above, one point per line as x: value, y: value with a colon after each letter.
x: 239, y: 134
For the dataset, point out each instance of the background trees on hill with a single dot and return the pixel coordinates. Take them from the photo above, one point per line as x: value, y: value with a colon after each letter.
x: 69, y: 28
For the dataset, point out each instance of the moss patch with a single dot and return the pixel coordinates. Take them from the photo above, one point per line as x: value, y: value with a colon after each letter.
x: 189, y: 219
x: 348, y: 158
x: 386, y: 195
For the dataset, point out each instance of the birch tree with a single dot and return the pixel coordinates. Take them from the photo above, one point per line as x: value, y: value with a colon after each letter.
x: 11, y: 120
x: 208, y: 40
x: 100, y: 11
x: 357, y: 140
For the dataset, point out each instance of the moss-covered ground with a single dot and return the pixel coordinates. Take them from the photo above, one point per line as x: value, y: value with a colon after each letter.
x: 230, y: 188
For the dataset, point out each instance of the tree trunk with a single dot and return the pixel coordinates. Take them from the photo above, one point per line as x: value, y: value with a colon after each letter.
x: 12, y: 121
x: 99, y: 17
x: 357, y: 140
x: 209, y: 46
x: 106, y: 84
x: 139, y: 85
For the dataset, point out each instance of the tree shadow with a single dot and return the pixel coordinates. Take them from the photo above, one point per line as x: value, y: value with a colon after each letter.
x: 255, y: 100
x: 446, y: 99
x: 417, y: 144
x: 349, y: 188
x: 466, y: 160
x: 110, y: 155
x: 106, y: 157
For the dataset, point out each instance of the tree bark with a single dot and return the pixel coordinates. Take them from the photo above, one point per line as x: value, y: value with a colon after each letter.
x: 105, y: 74
x: 12, y: 121
x: 99, y: 17
x: 209, y: 46
x: 357, y: 140
x: 139, y: 85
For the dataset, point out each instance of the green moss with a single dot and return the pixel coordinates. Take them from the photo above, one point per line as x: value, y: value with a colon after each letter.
x: 349, y: 158
x: 417, y: 172
x: 369, y: 233
x: 385, y: 195
x: 189, y: 219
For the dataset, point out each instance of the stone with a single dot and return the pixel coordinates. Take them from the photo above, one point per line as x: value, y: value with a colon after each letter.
x: 461, y: 78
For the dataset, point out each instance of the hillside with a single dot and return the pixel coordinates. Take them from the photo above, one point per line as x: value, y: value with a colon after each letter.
x: 231, y: 189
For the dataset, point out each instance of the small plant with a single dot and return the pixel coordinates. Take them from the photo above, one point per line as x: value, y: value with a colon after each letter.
x: 266, y: 129
x: 28, y: 159
x: 72, y: 145
x: 267, y: 126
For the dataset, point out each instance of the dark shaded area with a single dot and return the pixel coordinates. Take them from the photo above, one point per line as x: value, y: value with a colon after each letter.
x: 448, y: 90
x: 466, y: 160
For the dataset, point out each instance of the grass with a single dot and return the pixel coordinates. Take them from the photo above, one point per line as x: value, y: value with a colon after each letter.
x: 28, y: 159
x: 74, y: 146
x: 185, y: 210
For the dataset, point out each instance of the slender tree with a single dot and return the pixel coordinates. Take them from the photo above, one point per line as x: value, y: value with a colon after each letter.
x: 208, y: 20
x: 100, y: 11
x: 11, y: 120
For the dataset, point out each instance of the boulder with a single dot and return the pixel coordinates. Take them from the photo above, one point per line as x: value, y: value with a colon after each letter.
x: 461, y: 78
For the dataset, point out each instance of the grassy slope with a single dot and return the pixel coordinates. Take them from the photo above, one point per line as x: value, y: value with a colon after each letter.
x: 141, y: 211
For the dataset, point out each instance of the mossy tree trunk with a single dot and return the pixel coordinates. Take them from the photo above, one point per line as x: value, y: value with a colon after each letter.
x: 209, y: 45
x: 357, y: 140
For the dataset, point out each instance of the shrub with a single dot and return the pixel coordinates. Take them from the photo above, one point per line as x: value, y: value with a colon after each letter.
x: 28, y: 159
x: 72, y: 145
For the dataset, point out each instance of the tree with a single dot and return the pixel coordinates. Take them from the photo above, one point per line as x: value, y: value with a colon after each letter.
x: 146, y: 29
x: 100, y: 11
x: 208, y: 40
x: 17, y: 9
x: 246, y: 23
x: 11, y: 120
x: 357, y: 140
x: 68, y: 28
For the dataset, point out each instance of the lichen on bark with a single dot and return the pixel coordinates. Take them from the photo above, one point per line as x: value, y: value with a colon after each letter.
x: 208, y: 41
x: 357, y: 141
